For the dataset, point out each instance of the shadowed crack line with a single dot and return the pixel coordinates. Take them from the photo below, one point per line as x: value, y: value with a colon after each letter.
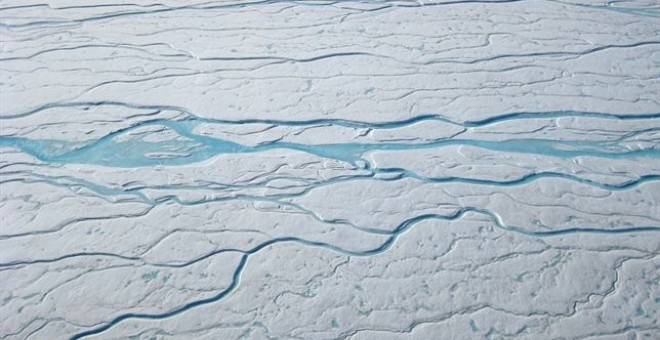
x: 239, y: 4
x: 511, y: 116
x: 103, y: 191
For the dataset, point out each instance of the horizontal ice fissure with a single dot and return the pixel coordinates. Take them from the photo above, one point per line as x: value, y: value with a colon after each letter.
x: 383, y: 247
x: 378, y: 5
x: 524, y: 179
x: 495, y: 118
x: 238, y: 4
x: 281, y: 59
x: 106, y: 192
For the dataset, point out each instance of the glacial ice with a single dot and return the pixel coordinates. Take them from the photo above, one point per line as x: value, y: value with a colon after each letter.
x: 311, y: 169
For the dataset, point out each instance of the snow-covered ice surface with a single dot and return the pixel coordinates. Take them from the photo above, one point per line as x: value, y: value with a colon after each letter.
x: 366, y: 169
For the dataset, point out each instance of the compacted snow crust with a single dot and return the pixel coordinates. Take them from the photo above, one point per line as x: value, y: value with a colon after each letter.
x: 329, y: 169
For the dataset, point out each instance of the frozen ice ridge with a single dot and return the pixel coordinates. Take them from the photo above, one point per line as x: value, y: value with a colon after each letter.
x: 312, y: 169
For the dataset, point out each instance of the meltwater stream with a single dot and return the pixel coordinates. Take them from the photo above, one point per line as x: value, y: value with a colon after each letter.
x: 123, y: 149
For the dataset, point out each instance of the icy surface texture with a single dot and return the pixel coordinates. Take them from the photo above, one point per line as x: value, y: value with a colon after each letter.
x: 329, y: 169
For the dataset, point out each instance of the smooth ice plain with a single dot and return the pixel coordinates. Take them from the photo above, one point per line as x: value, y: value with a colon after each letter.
x: 297, y: 169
